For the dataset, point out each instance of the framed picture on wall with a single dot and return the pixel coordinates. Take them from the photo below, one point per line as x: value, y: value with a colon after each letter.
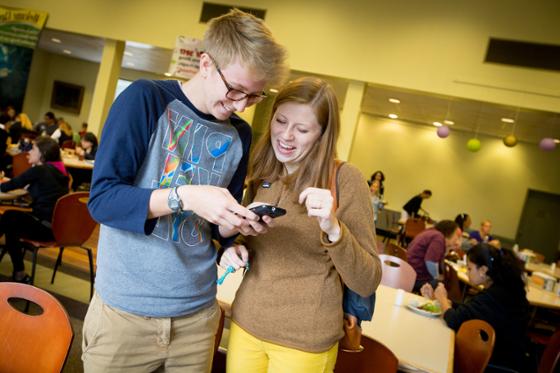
x: 67, y: 97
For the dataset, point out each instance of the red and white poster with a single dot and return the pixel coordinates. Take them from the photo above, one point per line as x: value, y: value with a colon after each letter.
x: 186, y: 57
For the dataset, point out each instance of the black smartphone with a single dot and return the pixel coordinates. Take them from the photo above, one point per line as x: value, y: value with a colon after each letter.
x: 268, y: 210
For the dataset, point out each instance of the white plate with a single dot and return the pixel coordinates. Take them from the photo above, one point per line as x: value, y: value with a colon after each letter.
x: 413, y: 306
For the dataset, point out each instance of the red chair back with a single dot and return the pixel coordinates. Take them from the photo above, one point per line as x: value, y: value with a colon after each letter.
x: 375, y: 357
x: 33, y: 343
x: 474, y: 344
x: 20, y: 164
x: 451, y: 282
x: 397, y: 273
x: 395, y: 250
x: 413, y: 226
x: 72, y: 224
x: 550, y: 360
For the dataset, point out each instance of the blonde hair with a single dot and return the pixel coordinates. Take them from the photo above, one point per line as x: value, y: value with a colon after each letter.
x: 241, y: 36
x: 25, y: 121
x: 65, y: 127
x: 316, y: 169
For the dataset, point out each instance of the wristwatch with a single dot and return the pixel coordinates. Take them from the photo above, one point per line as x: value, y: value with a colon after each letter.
x: 174, y: 201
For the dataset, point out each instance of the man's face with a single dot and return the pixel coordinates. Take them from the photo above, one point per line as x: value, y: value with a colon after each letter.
x: 454, y: 242
x: 238, y: 77
x: 486, y: 227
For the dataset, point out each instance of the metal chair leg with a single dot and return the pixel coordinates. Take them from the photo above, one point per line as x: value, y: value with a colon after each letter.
x: 58, y: 263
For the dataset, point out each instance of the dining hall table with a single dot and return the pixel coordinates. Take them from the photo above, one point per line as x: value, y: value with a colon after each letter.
x: 420, y: 343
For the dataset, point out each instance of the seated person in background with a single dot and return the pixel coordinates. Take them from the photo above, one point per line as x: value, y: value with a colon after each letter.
x: 88, y: 146
x: 84, y: 129
x: 483, y: 235
x: 47, y: 181
x: 63, y: 132
x: 503, y: 304
x: 21, y: 125
x: 413, y: 206
x: 464, y: 222
x: 428, y: 249
x: 49, y: 121
x: 375, y: 198
x: 379, y: 176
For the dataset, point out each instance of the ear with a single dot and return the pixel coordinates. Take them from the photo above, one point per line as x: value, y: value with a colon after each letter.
x: 205, y: 64
x: 483, y: 270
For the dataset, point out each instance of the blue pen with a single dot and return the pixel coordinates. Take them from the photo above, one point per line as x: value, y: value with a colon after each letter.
x: 229, y: 270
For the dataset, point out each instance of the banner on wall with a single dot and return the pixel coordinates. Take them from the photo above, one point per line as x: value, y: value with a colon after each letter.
x: 19, y: 34
x: 186, y: 57
x: 21, y: 27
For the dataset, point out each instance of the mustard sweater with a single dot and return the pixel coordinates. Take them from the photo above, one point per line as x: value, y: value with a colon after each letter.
x: 292, y: 294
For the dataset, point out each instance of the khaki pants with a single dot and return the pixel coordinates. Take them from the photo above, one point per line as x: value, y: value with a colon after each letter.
x: 117, y: 341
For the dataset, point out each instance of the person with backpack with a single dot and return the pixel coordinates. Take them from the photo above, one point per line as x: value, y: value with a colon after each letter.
x: 287, y: 313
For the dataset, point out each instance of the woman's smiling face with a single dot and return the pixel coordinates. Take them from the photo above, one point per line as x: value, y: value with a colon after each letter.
x: 294, y: 131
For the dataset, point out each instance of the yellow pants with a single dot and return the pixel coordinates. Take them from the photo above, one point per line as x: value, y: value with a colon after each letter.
x: 249, y: 354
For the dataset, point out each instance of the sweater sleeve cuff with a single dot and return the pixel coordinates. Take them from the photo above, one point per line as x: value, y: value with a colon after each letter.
x: 325, y: 238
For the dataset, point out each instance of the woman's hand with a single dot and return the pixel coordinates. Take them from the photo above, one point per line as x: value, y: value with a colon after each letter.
x: 252, y: 228
x: 319, y: 203
x: 235, y: 256
x: 427, y: 291
x: 441, y: 296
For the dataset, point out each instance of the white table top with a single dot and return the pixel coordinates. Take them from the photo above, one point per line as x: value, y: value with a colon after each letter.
x: 74, y: 162
x: 536, y: 295
x: 12, y: 194
x: 422, y: 342
x: 541, y: 267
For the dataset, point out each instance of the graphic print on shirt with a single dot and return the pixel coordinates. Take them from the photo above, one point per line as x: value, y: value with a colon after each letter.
x: 197, y: 152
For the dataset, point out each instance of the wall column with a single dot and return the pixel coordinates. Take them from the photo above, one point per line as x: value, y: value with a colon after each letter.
x: 349, y: 118
x: 105, y: 85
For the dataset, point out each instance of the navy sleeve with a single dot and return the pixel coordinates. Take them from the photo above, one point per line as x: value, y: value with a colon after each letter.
x: 237, y: 183
x: 114, y: 200
x: 20, y: 181
x: 476, y: 308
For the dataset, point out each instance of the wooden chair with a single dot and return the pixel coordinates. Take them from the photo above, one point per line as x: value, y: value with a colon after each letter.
x: 397, y: 273
x: 20, y: 164
x: 550, y: 360
x: 72, y: 225
x: 68, y: 144
x: 411, y: 228
x: 375, y: 357
x: 33, y: 343
x: 452, y: 284
x: 474, y: 344
x: 395, y: 250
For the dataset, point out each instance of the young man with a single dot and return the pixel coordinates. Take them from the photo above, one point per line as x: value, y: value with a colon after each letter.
x: 169, y: 170
x: 428, y: 249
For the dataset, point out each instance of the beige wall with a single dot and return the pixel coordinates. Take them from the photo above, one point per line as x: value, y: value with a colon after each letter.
x: 491, y: 183
x: 47, y: 67
x: 434, y: 45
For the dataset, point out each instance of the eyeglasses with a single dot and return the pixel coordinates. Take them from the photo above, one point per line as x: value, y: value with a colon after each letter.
x: 235, y: 94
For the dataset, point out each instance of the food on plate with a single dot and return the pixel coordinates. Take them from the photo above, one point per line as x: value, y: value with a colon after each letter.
x: 430, y: 307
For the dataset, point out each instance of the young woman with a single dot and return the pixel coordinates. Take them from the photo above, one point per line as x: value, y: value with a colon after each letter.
x: 46, y: 182
x: 88, y: 146
x: 379, y: 176
x: 287, y: 313
x: 503, y: 303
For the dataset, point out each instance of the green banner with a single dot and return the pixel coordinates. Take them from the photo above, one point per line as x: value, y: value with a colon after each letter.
x: 21, y: 27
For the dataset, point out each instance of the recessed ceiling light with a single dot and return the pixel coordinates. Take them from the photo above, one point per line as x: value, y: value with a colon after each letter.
x: 167, y: 74
x: 129, y: 64
x: 127, y: 53
x: 437, y: 124
x: 273, y: 90
x: 55, y: 40
x: 138, y: 45
x: 508, y: 120
x: 395, y: 100
x: 557, y: 141
x: 67, y: 51
x: 449, y: 122
x: 393, y: 116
